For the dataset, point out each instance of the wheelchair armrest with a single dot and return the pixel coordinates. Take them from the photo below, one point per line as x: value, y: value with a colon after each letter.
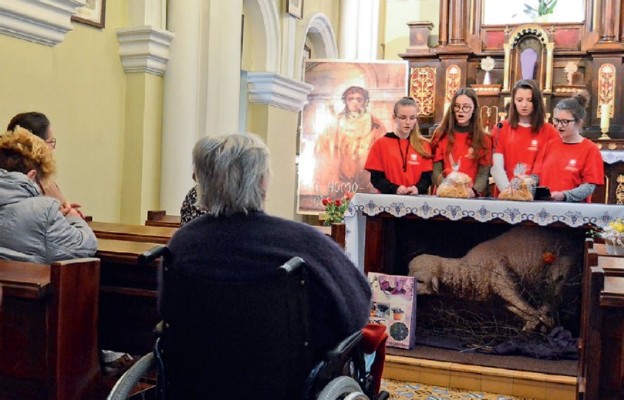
x: 158, y: 329
x: 152, y: 254
x: 346, y: 346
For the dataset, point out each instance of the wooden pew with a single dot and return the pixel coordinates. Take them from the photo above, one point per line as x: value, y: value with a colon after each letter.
x: 128, y: 296
x: 48, y: 330
x: 133, y: 233
x: 601, y: 366
x: 161, y: 218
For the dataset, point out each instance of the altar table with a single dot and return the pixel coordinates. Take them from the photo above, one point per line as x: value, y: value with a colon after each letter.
x: 364, y: 252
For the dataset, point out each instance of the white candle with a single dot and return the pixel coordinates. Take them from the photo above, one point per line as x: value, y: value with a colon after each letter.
x: 604, y: 117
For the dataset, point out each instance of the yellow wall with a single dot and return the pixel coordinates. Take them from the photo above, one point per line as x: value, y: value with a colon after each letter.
x: 80, y: 85
x: 397, y: 14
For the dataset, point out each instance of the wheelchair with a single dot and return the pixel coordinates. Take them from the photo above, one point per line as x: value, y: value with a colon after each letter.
x: 244, y: 340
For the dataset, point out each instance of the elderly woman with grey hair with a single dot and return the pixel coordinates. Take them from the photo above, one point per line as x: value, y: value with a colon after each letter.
x: 237, y: 241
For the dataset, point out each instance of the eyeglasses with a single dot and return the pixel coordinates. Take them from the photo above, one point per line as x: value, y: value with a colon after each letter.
x: 52, y: 143
x: 464, y: 107
x: 564, y: 122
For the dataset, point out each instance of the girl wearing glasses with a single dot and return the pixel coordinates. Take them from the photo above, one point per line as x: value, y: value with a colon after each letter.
x: 519, y: 138
x: 400, y: 162
x: 461, y: 144
x: 33, y: 227
x: 572, y: 166
x: 39, y: 125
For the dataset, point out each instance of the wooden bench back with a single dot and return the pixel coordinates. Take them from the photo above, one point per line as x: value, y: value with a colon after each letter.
x: 161, y: 218
x: 132, y: 233
x: 601, y: 372
x: 48, y: 330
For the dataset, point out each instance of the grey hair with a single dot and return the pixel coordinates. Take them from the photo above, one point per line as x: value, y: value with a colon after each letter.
x: 231, y: 172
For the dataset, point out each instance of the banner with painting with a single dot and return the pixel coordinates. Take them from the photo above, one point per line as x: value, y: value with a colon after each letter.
x: 348, y: 109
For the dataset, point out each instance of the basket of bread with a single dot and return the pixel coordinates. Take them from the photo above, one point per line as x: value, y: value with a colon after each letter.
x: 521, y: 186
x: 456, y: 185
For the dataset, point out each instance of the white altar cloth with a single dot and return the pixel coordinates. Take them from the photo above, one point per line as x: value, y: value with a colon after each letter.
x: 542, y: 213
x: 612, y: 156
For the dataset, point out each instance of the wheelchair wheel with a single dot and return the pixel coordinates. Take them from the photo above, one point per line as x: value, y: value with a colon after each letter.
x: 341, y: 386
x: 131, y: 378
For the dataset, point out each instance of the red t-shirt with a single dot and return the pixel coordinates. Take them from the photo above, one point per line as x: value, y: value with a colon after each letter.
x: 463, y: 154
x: 390, y: 154
x: 564, y: 166
x: 521, y: 145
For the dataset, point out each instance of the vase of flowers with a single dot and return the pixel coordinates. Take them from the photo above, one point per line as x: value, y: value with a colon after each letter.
x: 335, y: 209
x: 613, y: 235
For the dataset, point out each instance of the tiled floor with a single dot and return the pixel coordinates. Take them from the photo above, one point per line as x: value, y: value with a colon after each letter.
x: 415, y: 391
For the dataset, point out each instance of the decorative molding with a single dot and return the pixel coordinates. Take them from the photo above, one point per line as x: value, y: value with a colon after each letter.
x: 41, y: 22
x: 453, y: 79
x: 491, y: 89
x: 144, y: 49
x: 423, y: 89
x: 271, y: 21
x: 606, y: 88
x: 277, y: 90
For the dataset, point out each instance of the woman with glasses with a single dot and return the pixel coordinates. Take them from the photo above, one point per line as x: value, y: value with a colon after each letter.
x: 401, y: 161
x: 39, y: 125
x: 572, y: 166
x: 519, y: 138
x: 461, y: 144
x: 33, y: 229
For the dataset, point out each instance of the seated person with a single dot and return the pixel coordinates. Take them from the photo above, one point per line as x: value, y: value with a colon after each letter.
x: 33, y: 228
x: 189, y: 210
x: 39, y: 125
x: 237, y: 241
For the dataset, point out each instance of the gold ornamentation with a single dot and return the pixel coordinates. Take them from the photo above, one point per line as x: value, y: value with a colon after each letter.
x: 423, y: 88
x: 453, y: 79
x: 619, y: 190
x: 606, y: 88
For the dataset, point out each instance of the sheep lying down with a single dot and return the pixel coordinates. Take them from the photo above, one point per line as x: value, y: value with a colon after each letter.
x: 504, y: 267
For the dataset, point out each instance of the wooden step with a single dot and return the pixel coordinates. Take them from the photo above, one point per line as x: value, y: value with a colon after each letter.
x: 523, y: 384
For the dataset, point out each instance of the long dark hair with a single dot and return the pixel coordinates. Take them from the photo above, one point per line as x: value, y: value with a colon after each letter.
x: 449, y: 124
x: 539, y: 113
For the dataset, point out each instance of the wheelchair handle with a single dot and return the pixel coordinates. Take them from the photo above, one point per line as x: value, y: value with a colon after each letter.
x: 291, y: 266
x: 152, y: 254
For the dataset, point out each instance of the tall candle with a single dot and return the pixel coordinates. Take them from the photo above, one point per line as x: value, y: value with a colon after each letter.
x: 604, y: 117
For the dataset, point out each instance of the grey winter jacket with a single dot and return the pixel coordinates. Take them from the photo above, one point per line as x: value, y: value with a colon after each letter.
x: 33, y: 229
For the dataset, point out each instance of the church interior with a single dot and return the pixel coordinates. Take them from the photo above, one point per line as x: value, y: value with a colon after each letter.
x: 130, y: 86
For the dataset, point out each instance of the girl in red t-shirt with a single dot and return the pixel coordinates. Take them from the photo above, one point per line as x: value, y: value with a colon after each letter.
x: 519, y: 138
x: 572, y: 166
x: 460, y: 142
x: 400, y: 162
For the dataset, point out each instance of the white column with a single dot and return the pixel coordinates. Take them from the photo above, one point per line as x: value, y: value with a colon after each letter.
x: 202, y: 84
x: 359, y: 29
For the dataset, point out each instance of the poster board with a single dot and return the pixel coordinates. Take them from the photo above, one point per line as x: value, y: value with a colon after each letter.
x: 394, y: 305
x: 337, y: 132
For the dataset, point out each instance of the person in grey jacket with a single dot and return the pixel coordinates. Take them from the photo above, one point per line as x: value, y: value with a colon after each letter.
x: 32, y: 227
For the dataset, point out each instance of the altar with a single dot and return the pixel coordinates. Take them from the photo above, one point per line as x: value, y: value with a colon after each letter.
x: 370, y: 218
x: 488, y: 272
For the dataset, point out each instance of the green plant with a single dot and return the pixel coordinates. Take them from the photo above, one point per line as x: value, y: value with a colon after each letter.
x: 544, y: 7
